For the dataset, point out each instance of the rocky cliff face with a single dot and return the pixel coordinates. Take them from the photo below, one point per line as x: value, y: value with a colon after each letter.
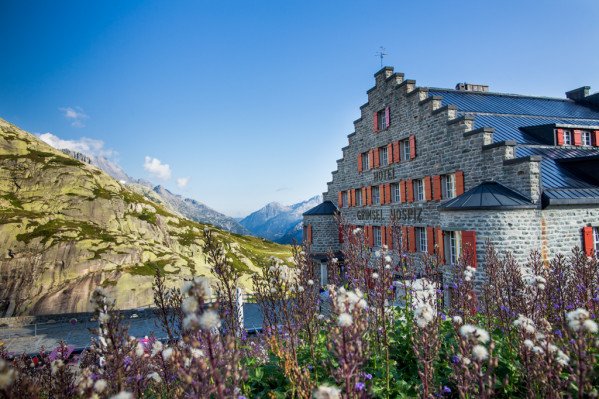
x: 67, y: 227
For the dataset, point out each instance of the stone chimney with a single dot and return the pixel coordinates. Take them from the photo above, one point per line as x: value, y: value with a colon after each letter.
x: 578, y: 94
x: 472, y: 87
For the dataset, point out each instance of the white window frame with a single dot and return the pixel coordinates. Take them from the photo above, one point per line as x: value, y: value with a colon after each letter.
x: 596, y: 241
x: 358, y: 197
x: 376, y: 195
x: 567, y: 137
x: 448, y: 186
x: 376, y: 233
x: 586, y: 138
x: 395, y: 193
x: 418, y: 186
x: 365, y: 165
x: 405, y: 148
x: 344, y: 202
x: 381, y: 119
x: 324, y: 274
x: 421, y: 239
x: 453, y: 245
x: 383, y: 156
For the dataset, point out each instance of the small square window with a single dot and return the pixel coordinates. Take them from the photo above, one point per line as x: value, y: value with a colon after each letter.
x: 381, y: 120
x: 448, y: 186
x: 376, y: 199
x: 418, y: 190
x: 586, y: 139
x: 421, y: 243
x: 395, y: 193
x: 567, y: 137
x: 383, y: 156
x: 358, y: 197
x: 376, y: 231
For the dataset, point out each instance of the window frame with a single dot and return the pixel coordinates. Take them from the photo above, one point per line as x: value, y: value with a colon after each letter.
x: 365, y: 165
x: 376, y: 195
x: 395, y: 193
x: 381, y: 120
x: 383, y: 151
x: 453, y: 246
x: 421, y: 239
x: 596, y: 241
x: 344, y: 199
x: 418, y: 190
x: 377, y: 236
x: 567, y: 136
x: 448, y: 180
x: 585, y: 138
x: 405, y: 150
x: 358, y: 197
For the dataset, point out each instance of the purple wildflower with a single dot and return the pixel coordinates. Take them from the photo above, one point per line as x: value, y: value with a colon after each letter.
x: 360, y: 386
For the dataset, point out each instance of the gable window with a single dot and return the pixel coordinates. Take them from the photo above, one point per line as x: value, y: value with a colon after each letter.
x: 344, y: 199
x: 567, y: 137
x: 381, y: 120
x: 405, y: 149
x: 395, y: 193
x: 383, y: 156
x: 453, y: 246
x: 586, y: 138
x: 418, y: 190
x: 421, y: 243
x: 358, y: 197
x: 376, y: 199
x: 365, y: 165
x: 378, y: 240
x: 448, y: 186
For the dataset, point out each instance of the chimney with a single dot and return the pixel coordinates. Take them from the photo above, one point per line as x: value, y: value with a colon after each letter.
x: 578, y: 94
x: 471, y: 87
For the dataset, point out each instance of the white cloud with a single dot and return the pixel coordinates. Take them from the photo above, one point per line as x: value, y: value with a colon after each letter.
x: 84, y: 145
x: 157, y: 169
x: 182, y: 181
x: 74, y: 114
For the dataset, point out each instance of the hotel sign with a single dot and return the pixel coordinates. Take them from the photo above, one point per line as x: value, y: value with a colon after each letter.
x: 412, y: 214
x: 384, y: 174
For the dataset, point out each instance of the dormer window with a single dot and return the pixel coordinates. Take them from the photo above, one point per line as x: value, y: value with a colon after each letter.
x: 586, y: 138
x: 567, y: 137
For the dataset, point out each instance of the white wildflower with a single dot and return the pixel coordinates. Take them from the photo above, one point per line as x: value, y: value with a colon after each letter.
x: 156, y: 348
x: 540, y: 280
x: 387, y: 259
x: 480, y: 353
x: 103, y: 318
x: 362, y: 304
x: 327, y: 392
x: 528, y: 344
x: 189, y: 305
x: 377, y: 254
x: 538, y: 350
x: 56, y: 365
x: 7, y: 375
x: 375, y: 275
x: 345, y: 320
x: 320, y: 316
x: 139, y: 350
x: 590, y: 326
x: 122, y: 395
x: 167, y: 353
x: 310, y: 282
x: 190, y: 321
x: 541, y: 287
x: 155, y: 376
x: 334, y: 260
x: 576, y: 318
x: 423, y: 315
x: 474, y: 333
x: 465, y: 361
x: 186, y: 287
x: 197, y: 353
x: 562, y: 358
x: 273, y: 290
x: 300, y: 289
x: 209, y: 320
x: 525, y: 324
x: 357, y: 231
x: 457, y: 319
x: 100, y: 385
x: 387, y: 267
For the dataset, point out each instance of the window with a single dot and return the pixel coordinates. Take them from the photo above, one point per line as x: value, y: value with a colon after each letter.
x: 448, y: 186
x: 453, y: 246
x: 324, y: 275
x: 596, y: 237
x: 586, y: 139
x: 344, y: 199
x: 383, y: 156
x: 376, y: 199
x: 365, y: 161
x: 418, y: 190
x: 358, y: 197
x: 567, y: 137
x: 421, y: 244
x: 395, y: 193
x: 381, y: 120
x: 378, y: 240
x: 405, y: 145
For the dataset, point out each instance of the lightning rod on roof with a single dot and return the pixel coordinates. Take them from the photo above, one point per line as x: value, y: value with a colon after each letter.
x: 381, y: 54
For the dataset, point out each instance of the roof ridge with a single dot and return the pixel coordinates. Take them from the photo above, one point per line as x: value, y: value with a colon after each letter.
x: 492, y: 93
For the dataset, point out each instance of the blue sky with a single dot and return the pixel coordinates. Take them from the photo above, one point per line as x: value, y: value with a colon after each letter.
x: 251, y: 101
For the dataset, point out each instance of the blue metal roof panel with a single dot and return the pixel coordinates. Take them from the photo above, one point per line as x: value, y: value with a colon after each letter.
x: 497, y: 103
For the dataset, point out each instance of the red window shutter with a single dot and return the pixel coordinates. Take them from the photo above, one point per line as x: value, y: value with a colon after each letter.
x: 353, y: 197
x: 404, y: 238
x: 363, y: 196
x: 402, y: 191
x: 428, y: 195
x: 440, y: 244
x: 397, y: 156
x: 340, y: 199
x: 388, y: 193
x: 437, y: 188
x: 412, y: 147
x: 459, y: 182
x: 588, y: 241
x: 595, y: 138
x: 469, y: 245
x: 370, y: 237
x: 375, y: 122
x: 369, y: 195
x: 412, y: 239
x: 559, y: 136
x: 341, y: 234
x: 377, y: 158
x: 410, y: 188
x: 309, y: 234
x: 390, y: 237
x: 430, y: 240
x: 382, y: 194
x: 390, y: 158
x: 383, y: 235
x: 359, y: 163
x: 388, y: 116
x: 370, y: 159
x: 577, y: 137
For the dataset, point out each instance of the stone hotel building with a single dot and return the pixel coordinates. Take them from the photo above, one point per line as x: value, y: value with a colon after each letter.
x: 457, y: 167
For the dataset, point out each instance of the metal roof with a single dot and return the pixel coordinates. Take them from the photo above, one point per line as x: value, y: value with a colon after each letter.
x: 499, y: 103
x: 488, y: 195
x: 326, y: 208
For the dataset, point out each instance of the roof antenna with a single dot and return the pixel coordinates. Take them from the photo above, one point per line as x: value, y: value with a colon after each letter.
x: 381, y: 54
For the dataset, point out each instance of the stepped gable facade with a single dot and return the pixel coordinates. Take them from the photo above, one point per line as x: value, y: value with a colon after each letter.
x: 453, y: 168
